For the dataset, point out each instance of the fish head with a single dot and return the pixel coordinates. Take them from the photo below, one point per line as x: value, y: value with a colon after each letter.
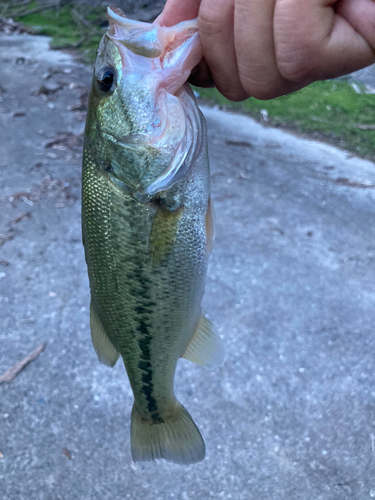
x: 143, y: 121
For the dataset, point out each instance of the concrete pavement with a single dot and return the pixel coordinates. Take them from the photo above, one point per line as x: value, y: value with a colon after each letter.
x: 291, y: 289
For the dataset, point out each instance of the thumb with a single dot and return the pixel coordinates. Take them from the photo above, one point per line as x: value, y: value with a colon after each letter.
x: 176, y: 11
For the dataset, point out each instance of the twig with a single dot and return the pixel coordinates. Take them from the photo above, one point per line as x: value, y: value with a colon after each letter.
x: 20, y: 3
x: 9, y: 236
x: 67, y: 453
x: 363, y: 126
x: 80, y: 20
x: 25, y: 11
x: 20, y: 217
x: 12, y: 373
x: 344, y: 181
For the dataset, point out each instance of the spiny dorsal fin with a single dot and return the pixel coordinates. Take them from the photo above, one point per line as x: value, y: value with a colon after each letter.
x: 205, y: 347
x: 107, y: 354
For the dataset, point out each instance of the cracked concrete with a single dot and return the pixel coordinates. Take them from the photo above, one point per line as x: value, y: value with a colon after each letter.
x: 290, y: 288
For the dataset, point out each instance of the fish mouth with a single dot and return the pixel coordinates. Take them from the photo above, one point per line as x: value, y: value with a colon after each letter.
x: 149, y: 40
x: 171, y: 52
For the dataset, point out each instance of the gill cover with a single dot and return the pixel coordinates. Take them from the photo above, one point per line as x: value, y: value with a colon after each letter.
x: 155, y: 63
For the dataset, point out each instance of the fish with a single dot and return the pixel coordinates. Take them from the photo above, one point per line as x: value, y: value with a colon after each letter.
x: 147, y: 225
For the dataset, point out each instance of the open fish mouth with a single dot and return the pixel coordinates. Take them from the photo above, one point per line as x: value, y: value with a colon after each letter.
x: 149, y: 40
x: 170, y: 53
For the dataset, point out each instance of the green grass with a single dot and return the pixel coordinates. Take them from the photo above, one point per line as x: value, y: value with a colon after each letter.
x: 60, y: 24
x: 329, y: 110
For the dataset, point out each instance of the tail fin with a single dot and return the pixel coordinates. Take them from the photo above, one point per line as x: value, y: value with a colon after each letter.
x: 177, y: 439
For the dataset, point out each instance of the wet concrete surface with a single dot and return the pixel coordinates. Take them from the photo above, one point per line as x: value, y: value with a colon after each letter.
x: 290, y: 288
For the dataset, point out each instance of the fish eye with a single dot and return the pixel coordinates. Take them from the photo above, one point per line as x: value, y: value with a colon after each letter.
x: 107, y: 81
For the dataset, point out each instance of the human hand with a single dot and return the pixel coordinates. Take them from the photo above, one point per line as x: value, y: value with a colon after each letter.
x: 268, y: 48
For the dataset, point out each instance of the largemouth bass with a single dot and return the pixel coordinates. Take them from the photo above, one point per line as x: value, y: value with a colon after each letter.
x: 147, y: 225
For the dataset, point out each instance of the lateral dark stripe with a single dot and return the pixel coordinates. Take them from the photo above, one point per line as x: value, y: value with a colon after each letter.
x: 144, y: 306
x: 143, y: 310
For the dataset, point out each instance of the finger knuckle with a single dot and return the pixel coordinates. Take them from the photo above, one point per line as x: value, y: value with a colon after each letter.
x: 211, y: 21
x: 297, y: 63
x: 259, y: 88
x: 296, y: 71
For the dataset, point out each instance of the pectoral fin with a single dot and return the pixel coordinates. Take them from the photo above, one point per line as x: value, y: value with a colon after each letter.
x: 205, y: 347
x: 107, y: 354
x: 163, y: 234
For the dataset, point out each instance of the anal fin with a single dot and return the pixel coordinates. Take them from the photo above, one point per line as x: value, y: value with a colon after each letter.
x: 107, y: 354
x: 205, y: 347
